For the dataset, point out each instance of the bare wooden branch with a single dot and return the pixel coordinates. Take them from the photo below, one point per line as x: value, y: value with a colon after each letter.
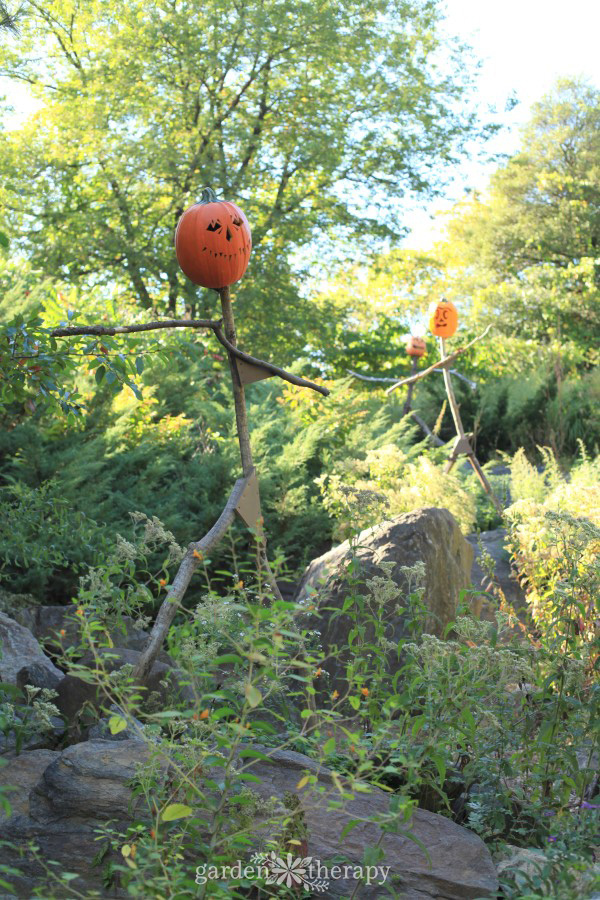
x: 454, y: 408
x: 214, y: 325
x: 442, y: 364
x: 430, y: 434
x: 286, y: 376
x: 99, y: 330
x: 195, y: 553
x: 472, y: 384
x: 239, y: 397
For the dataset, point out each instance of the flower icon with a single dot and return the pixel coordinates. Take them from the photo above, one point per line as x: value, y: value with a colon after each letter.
x: 289, y: 871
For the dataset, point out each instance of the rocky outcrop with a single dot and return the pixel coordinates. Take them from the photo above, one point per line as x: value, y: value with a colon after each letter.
x: 19, y: 648
x: 59, y: 802
x: 431, y: 536
x: 47, y: 623
x: 165, y: 683
x: 61, y: 799
x: 430, y: 858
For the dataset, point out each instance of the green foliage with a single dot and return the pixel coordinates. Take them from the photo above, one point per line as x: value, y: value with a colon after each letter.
x: 389, y: 482
x: 44, y: 542
x: 484, y: 727
x: 555, y: 539
x: 24, y: 718
x: 262, y: 116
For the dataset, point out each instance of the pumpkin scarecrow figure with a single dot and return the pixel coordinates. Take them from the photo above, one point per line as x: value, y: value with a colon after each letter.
x: 213, y: 244
x: 443, y: 323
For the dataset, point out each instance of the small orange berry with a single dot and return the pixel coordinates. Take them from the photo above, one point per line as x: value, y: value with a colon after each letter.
x: 197, y: 554
x: 80, y: 611
x: 364, y: 692
x: 240, y: 585
x: 62, y: 632
x: 204, y: 714
x: 162, y: 582
x: 318, y: 672
x: 152, y: 833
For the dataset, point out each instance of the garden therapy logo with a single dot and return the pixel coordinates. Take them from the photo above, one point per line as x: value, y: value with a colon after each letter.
x: 292, y: 872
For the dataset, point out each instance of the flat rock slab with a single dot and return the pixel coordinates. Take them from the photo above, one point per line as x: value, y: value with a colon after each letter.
x: 63, y: 797
x: 60, y: 800
x: 457, y: 865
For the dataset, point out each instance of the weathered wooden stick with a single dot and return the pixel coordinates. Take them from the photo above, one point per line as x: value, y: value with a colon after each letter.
x: 196, y: 552
x: 275, y: 370
x: 99, y: 330
x: 243, y: 431
x: 472, y: 384
x: 411, y: 387
x: 422, y: 424
x: 461, y: 433
x: 442, y: 364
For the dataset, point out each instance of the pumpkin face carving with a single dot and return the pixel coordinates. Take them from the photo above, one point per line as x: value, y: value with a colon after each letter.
x: 444, y: 318
x: 213, y: 242
x: 415, y: 346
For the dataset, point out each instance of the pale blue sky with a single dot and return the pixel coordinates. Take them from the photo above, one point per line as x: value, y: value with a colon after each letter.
x: 525, y: 46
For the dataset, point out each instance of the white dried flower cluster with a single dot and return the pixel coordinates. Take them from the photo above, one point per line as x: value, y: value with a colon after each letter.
x: 494, y: 666
x: 125, y: 550
x: 155, y: 535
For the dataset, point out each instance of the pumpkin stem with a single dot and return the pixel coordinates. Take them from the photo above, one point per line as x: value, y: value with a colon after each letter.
x: 208, y: 196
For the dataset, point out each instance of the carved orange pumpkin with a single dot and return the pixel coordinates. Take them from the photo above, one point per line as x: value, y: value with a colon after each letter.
x: 415, y: 346
x: 213, y: 242
x: 444, y: 318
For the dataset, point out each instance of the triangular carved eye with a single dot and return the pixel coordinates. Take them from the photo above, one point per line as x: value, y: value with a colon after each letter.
x: 237, y: 221
x: 214, y: 226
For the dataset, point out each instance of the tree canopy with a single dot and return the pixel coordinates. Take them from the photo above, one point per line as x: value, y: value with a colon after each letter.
x: 317, y: 118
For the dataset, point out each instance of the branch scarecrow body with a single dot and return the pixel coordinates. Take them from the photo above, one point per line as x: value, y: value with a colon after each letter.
x: 213, y: 244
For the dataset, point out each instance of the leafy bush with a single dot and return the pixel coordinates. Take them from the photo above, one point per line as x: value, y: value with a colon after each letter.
x: 390, y: 481
x: 44, y: 543
x: 555, y: 540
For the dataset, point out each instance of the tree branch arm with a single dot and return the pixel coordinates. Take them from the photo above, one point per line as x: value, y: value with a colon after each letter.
x: 275, y: 370
x: 99, y: 330
x: 442, y: 364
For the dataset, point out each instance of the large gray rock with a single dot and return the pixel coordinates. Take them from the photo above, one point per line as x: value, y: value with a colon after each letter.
x: 19, y: 648
x: 22, y: 774
x: 39, y: 675
x: 60, y: 801
x: 431, y: 536
x: 455, y: 865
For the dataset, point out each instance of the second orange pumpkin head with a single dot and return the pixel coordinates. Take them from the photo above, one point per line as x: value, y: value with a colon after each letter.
x: 213, y: 242
x: 443, y: 320
x: 415, y: 346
